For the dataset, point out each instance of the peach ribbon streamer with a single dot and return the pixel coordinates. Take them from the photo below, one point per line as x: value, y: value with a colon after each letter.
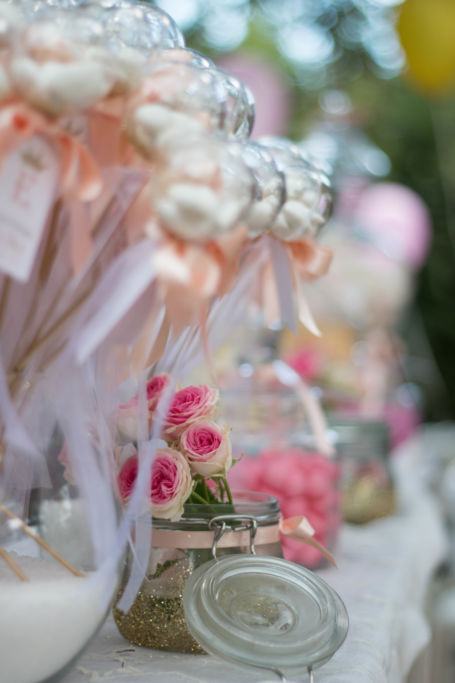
x: 81, y: 179
x: 191, y: 274
x: 106, y: 132
x: 292, y: 263
x: 299, y: 529
x: 309, y: 259
x: 211, y: 269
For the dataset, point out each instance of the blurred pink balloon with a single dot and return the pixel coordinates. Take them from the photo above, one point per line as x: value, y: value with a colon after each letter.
x: 270, y: 92
x: 396, y: 221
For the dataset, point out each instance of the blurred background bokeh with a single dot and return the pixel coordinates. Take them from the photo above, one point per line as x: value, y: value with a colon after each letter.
x: 366, y: 87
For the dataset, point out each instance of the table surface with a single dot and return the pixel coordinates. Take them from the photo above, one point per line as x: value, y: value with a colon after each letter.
x: 384, y: 570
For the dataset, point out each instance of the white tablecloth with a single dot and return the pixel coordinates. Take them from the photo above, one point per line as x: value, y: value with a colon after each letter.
x: 384, y: 570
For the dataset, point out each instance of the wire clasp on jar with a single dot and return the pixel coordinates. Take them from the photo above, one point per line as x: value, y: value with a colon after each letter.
x: 218, y: 524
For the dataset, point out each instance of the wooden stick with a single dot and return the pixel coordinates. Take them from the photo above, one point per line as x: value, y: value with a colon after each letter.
x: 4, y: 297
x: 39, y: 341
x: 12, y: 565
x: 27, y: 530
x: 50, y: 246
x: 37, y: 345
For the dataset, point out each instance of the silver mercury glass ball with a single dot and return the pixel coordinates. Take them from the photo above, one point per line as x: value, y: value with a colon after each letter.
x: 239, y: 113
x: 139, y: 26
x: 204, y: 189
x: 270, y: 188
x: 308, y: 197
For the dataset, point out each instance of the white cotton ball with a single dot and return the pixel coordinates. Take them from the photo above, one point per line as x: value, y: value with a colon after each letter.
x: 317, y: 220
x: 188, y: 210
x: 261, y: 214
x: 125, y: 67
x: 46, y: 40
x: 151, y: 117
x: 294, y: 185
x: 60, y: 87
x: 227, y: 214
x: 292, y: 222
x: 180, y: 127
x: 280, y: 228
x: 11, y: 21
x: 310, y: 196
x: 156, y: 126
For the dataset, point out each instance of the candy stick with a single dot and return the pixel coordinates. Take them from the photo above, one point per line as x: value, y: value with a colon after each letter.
x: 12, y: 565
x: 27, y: 530
x: 41, y: 339
x: 49, y: 334
x: 4, y: 297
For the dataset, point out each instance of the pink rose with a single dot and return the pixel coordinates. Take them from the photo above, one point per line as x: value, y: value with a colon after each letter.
x: 170, y: 482
x: 127, y: 477
x: 188, y: 406
x: 207, y: 448
x: 127, y: 413
x: 155, y: 388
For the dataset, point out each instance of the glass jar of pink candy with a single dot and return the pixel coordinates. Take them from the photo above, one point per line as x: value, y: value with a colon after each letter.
x: 278, y: 456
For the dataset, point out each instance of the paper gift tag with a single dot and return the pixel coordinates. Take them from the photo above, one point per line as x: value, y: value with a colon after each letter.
x: 28, y: 181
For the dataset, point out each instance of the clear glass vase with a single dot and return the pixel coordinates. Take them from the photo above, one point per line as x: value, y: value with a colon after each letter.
x: 57, y: 580
x: 156, y: 619
x: 53, y: 594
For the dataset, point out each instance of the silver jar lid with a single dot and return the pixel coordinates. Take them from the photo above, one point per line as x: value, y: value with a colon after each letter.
x: 264, y: 612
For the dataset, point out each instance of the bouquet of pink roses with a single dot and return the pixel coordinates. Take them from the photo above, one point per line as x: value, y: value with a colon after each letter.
x: 191, y: 466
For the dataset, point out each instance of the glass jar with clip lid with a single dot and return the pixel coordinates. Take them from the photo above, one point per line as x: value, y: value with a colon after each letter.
x: 156, y: 618
x: 262, y: 611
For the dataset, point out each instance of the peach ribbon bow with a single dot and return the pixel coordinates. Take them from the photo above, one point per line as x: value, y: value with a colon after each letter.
x: 290, y: 264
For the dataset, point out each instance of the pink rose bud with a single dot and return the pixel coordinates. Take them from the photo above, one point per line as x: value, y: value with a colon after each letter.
x: 155, y: 388
x: 127, y: 419
x: 171, y: 484
x: 188, y: 406
x: 127, y: 413
x: 127, y: 477
x: 207, y: 448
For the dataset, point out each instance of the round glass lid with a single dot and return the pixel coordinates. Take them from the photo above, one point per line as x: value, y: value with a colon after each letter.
x: 264, y: 612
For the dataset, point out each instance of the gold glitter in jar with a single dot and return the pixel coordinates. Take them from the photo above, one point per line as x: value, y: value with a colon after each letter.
x: 158, y: 623
x: 156, y: 618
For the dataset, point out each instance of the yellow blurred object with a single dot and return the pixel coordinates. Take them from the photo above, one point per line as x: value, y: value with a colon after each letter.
x: 336, y: 340
x: 427, y: 34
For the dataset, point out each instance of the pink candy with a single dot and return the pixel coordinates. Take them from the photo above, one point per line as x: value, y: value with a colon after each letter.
x: 305, y: 483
